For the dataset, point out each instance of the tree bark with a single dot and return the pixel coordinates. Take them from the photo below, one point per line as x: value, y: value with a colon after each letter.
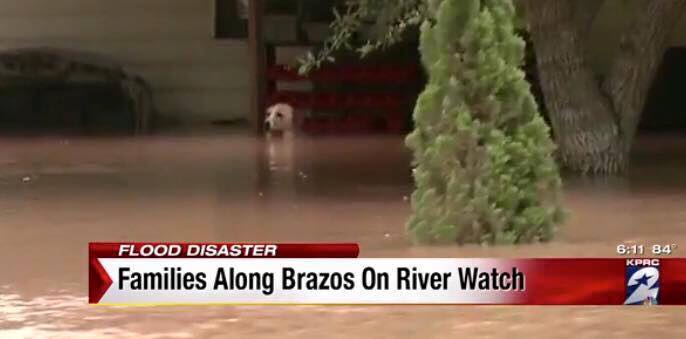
x: 585, y: 13
x: 594, y: 125
x: 641, y: 51
x: 585, y: 127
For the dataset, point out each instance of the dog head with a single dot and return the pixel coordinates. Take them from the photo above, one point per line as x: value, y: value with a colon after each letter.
x: 279, y: 118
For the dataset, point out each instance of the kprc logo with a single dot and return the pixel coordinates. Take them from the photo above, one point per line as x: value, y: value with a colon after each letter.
x: 642, y: 281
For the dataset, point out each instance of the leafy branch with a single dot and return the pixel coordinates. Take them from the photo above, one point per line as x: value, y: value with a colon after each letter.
x: 392, y: 18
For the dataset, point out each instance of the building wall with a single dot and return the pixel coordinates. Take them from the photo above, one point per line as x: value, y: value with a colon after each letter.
x: 169, y: 42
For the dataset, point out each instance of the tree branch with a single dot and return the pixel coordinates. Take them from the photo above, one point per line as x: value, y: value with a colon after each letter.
x: 397, y: 15
x: 640, y: 54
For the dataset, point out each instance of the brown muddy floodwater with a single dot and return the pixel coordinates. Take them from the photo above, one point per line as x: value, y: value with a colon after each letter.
x: 57, y: 194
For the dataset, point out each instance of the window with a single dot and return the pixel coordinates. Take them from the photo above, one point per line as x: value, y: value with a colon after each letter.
x: 231, y: 16
x: 231, y: 19
x: 281, y: 7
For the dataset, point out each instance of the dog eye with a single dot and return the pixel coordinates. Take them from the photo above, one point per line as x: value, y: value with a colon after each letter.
x: 279, y: 115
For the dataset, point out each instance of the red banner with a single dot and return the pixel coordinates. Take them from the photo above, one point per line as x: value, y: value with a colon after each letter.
x: 222, y: 250
x: 555, y: 281
x: 599, y: 281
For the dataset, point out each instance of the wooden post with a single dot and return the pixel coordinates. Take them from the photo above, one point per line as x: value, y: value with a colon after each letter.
x: 258, y: 64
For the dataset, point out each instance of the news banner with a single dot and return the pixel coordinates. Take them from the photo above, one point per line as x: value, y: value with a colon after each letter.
x: 333, y: 274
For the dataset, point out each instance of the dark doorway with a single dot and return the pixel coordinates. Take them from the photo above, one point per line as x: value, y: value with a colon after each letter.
x: 665, y: 108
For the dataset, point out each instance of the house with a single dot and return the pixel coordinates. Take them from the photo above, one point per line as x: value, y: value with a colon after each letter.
x: 199, y: 72
x: 195, y: 77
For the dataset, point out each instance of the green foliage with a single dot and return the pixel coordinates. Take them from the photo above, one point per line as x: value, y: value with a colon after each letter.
x: 483, y: 161
x: 393, y: 18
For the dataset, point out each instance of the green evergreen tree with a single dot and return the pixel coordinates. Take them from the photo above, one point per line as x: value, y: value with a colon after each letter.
x: 483, y: 163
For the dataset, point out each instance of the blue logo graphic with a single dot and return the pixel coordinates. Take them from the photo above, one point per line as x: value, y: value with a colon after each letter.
x: 642, y: 281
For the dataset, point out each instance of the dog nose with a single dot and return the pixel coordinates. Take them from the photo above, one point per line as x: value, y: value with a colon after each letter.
x: 267, y: 126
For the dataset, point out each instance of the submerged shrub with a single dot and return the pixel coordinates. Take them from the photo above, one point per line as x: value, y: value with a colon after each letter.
x: 483, y: 156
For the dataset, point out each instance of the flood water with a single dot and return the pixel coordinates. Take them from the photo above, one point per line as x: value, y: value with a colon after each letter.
x: 59, y: 193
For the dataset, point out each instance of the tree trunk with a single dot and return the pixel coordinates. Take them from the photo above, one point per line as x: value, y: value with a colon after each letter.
x: 641, y: 51
x: 586, y: 130
x: 594, y: 125
x: 585, y: 12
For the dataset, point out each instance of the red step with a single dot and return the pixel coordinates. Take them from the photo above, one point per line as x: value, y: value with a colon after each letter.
x: 333, y: 101
x: 348, y: 73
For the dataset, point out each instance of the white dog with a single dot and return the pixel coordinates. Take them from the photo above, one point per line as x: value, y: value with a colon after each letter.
x: 280, y: 128
x: 280, y: 119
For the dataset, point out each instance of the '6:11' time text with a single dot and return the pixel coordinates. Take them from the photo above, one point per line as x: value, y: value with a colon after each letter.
x: 635, y: 249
